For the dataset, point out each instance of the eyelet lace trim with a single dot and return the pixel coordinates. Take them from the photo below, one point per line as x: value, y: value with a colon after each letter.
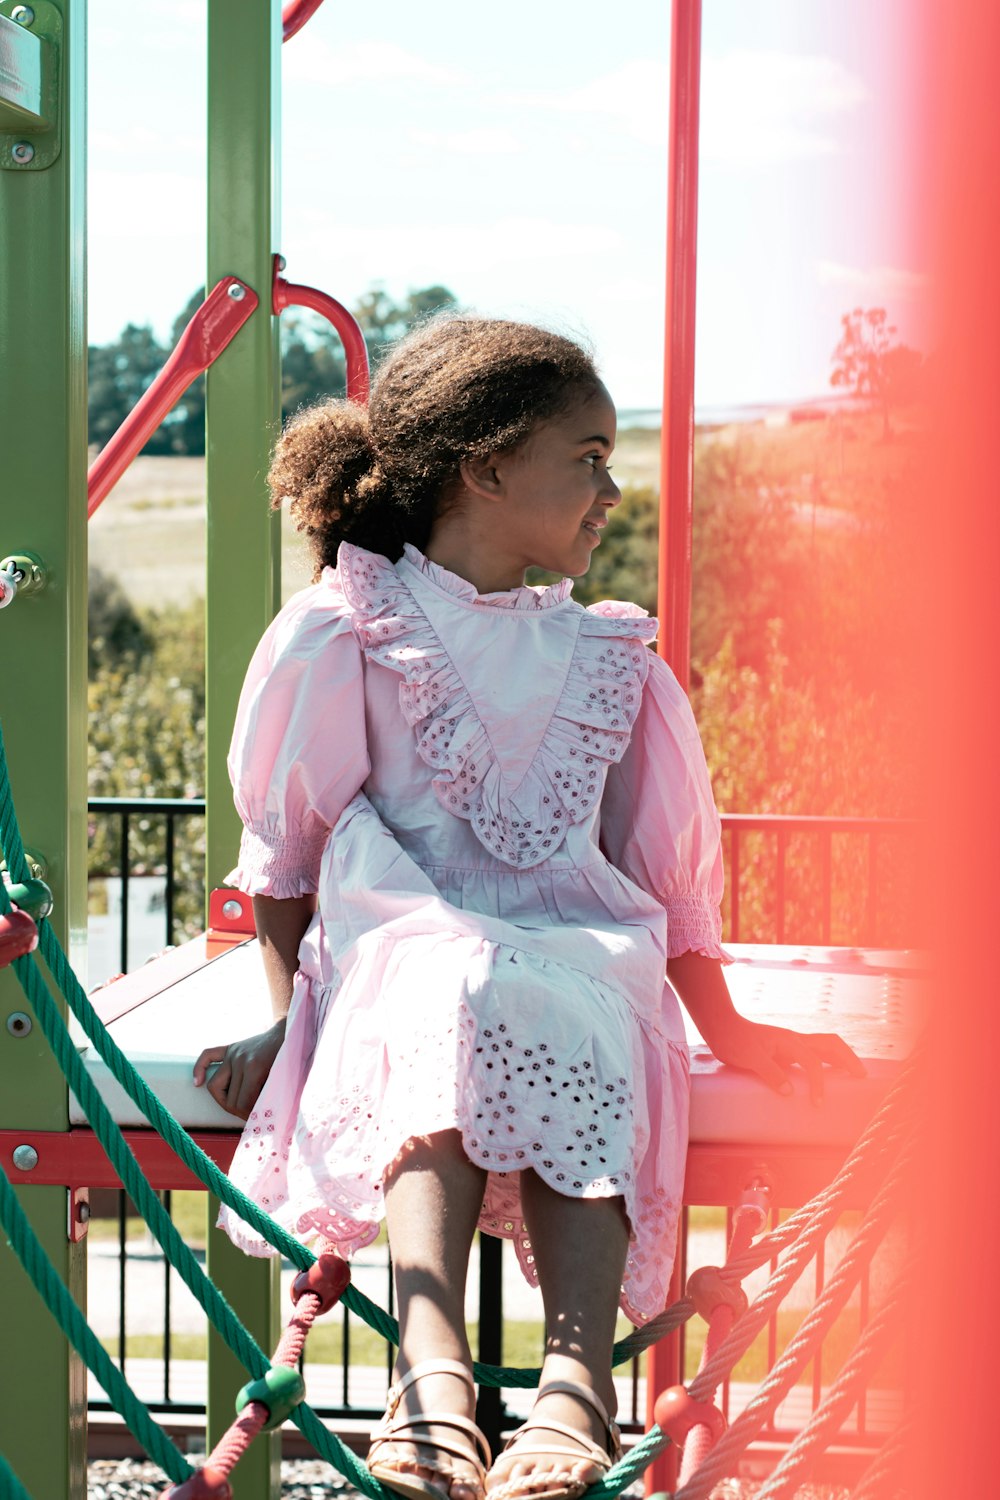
x: 589, y: 728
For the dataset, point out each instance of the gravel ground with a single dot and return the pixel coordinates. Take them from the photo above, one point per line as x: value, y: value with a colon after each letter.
x: 311, y: 1479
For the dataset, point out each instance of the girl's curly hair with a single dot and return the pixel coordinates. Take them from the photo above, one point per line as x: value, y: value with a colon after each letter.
x: 457, y: 387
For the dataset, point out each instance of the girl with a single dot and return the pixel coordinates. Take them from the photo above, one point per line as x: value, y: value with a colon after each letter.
x: 479, y: 828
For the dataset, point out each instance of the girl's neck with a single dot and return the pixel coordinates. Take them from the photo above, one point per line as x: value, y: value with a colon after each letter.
x: 489, y: 567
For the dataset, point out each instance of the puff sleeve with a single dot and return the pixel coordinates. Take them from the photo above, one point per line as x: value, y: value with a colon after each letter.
x: 299, y: 752
x: 659, y: 825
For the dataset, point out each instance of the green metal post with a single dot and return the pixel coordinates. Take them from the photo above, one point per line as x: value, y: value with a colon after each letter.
x: 243, y: 406
x: 43, y: 696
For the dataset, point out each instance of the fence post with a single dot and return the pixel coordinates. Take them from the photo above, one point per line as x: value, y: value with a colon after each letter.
x: 43, y: 439
x: 243, y: 411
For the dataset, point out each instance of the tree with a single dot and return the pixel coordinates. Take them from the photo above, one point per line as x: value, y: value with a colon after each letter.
x: 118, y: 374
x: 313, y: 365
x: 867, y: 362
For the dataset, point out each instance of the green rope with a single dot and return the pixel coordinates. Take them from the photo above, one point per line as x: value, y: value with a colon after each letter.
x: 53, y: 1292
x: 11, y: 1487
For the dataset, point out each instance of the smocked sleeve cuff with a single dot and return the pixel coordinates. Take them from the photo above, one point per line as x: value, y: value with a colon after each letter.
x: 279, y: 865
x: 694, y: 925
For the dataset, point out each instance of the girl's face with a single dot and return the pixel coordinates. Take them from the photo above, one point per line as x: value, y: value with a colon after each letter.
x: 558, y: 489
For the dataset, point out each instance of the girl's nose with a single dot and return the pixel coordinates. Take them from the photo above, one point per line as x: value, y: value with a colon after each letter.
x: 610, y: 493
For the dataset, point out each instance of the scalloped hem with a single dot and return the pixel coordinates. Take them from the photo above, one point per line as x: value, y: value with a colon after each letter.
x: 280, y: 887
x: 705, y: 949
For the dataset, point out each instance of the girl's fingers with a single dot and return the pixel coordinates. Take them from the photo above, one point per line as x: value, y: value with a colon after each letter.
x: 835, y: 1051
x: 770, y: 1069
x: 218, y: 1084
x: 809, y: 1061
x: 204, y: 1061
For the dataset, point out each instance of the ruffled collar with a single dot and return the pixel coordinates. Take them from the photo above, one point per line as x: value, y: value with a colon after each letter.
x: 525, y: 597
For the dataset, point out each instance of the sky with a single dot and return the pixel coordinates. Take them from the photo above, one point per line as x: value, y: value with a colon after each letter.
x: 518, y: 156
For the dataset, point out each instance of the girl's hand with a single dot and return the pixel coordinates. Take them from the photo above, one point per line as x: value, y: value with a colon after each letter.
x: 242, y: 1069
x: 772, y: 1051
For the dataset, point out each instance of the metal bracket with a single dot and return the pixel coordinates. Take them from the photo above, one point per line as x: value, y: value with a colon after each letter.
x: 77, y: 1214
x: 30, y: 75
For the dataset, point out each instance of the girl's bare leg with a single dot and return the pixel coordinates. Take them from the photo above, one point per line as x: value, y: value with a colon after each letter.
x: 432, y: 1203
x: 580, y: 1247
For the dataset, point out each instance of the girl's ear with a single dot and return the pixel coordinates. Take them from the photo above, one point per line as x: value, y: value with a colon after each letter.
x: 481, y: 476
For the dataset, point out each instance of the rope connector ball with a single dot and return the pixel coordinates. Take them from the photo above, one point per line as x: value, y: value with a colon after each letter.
x: 327, y: 1278
x: 676, y: 1411
x: 281, y: 1389
x: 205, y: 1483
x: 18, y: 936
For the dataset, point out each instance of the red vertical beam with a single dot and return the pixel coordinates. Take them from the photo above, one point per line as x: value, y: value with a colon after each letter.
x: 677, y: 459
x: 673, y: 606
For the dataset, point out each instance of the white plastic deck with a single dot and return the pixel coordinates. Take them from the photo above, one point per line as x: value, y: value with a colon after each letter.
x: 873, y: 999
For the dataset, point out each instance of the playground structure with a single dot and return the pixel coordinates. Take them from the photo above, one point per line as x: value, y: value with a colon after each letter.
x: 233, y: 337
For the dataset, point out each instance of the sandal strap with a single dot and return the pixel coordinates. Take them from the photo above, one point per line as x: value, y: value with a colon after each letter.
x: 585, y: 1449
x: 430, y: 1367
x: 589, y: 1398
x: 402, y: 1429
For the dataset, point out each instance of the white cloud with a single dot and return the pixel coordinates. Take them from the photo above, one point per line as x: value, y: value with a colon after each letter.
x: 873, y: 283
x: 437, y: 250
x: 482, y: 142
x: 142, y: 205
x: 375, y: 62
x: 763, y: 106
x: 633, y: 96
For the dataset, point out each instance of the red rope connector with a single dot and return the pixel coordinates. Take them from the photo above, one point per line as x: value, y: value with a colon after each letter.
x: 327, y: 1278
x: 18, y: 936
x: 708, y: 1289
x: 676, y: 1411
x: 205, y: 1483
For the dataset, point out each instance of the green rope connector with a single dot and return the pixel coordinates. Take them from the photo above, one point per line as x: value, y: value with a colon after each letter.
x: 32, y: 896
x: 281, y: 1390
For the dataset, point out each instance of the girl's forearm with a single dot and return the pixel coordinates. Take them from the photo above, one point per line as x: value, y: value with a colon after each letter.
x: 699, y: 983
x: 281, y: 925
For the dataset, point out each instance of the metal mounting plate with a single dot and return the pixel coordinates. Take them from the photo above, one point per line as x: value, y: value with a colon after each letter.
x: 30, y: 103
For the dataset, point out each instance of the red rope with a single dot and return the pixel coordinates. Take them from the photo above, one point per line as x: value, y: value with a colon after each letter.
x: 314, y: 1292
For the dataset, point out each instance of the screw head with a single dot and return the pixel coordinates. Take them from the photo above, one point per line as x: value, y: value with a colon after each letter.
x: 22, y: 152
x: 83, y: 1213
x: 237, y: 291
x: 23, y: 15
x: 19, y: 1023
x: 231, y: 910
x: 25, y: 1158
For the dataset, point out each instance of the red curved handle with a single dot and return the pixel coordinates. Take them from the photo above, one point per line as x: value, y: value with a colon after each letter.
x: 290, y: 294
x: 216, y: 322
x: 295, y: 15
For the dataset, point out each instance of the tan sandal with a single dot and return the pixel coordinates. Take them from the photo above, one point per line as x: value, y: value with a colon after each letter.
x: 415, y: 1429
x: 534, y: 1487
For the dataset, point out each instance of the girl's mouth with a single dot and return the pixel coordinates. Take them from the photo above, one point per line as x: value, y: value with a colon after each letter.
x: 593, y: 528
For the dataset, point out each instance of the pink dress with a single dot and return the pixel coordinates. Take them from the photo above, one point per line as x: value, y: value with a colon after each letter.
x: 503, y: 805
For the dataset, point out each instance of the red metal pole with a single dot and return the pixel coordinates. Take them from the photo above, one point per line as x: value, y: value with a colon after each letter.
x: 677, y: 461
x: 295, y: 15
x: 217, y: 321
x: 291, y: 294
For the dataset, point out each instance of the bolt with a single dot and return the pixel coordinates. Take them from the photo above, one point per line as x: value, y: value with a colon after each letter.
x: 22, y: 152
x: 231, y: 910
x: 23, y: 15
x: 237, y: 291
x: 83, y: 1213
x: 25, y: 1158
x: 18, y: 1024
